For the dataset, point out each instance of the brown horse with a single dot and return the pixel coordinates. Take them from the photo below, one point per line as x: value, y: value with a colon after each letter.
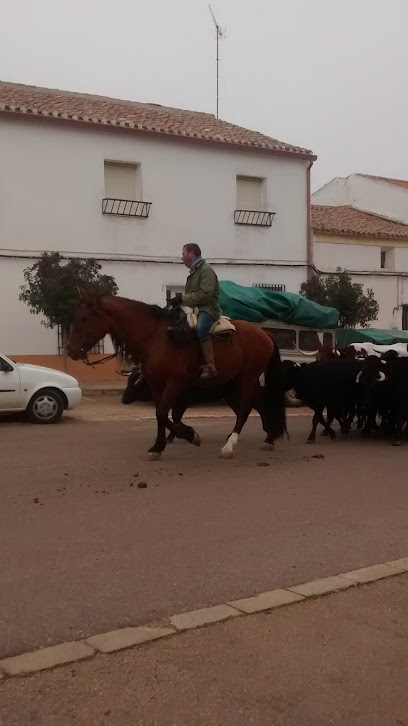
x: 171, y: 368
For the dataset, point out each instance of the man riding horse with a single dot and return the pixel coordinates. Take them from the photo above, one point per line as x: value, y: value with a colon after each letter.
x: 201, y: 293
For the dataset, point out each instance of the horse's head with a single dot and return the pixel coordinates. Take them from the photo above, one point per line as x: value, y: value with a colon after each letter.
x: 90, y: 325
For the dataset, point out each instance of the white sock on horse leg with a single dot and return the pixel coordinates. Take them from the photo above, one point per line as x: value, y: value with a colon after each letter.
x: 228, y: 450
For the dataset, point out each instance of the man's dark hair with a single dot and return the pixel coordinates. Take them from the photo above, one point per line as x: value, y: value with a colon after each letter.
x: 192, y: 247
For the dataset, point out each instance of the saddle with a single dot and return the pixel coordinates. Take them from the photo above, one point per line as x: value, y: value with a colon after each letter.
x: 221, y: 326
x: 182, y: 326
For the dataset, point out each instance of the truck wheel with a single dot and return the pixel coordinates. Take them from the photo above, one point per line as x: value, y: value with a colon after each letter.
x: 45, y: 407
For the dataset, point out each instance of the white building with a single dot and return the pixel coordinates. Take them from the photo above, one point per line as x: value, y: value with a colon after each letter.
x: 361, y: 224
x: 67, y: 160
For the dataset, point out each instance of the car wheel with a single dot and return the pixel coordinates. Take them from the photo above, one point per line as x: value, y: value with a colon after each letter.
x: 45, y: 407
x: 291, y: 400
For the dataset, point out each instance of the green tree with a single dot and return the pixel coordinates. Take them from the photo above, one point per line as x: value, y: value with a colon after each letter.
x: 51, y: 288
x: 356, y: 307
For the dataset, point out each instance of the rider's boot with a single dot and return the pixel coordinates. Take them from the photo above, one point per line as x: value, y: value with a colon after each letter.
x: 208, y: 370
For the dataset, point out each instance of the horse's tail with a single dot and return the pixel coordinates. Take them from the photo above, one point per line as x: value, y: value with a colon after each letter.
x: 274, y: 396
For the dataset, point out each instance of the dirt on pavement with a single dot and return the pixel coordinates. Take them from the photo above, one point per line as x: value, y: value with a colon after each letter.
x: 84, y: 550
x: 341, y: 660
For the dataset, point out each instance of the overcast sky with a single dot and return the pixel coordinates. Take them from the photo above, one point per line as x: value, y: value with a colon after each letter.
x: 330, y: 75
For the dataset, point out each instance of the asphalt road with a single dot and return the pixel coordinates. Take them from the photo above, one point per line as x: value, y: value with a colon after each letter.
x: 83, y: 549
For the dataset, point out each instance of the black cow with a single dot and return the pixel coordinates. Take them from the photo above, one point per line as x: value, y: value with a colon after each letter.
x: 138, y: 389
x: 329, y: 384
x: 384, y: 383
x: 397, y: 375
x: 373, y: 399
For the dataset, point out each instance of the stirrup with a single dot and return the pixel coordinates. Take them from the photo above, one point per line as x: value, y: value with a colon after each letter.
x: 208, y: 372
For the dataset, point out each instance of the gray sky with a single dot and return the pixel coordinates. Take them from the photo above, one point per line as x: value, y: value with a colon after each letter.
x: 331, y: 75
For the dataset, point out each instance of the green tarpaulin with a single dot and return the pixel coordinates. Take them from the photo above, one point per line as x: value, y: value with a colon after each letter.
x: 370, y: 335
x: 256, y: 304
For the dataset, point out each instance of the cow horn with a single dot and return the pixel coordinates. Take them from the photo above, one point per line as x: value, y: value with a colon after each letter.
x: 381, y: 377
x: 315, y: 352
x: 359, y: 376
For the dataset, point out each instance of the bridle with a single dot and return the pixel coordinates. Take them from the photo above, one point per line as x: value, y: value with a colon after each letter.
x: 84, y: 356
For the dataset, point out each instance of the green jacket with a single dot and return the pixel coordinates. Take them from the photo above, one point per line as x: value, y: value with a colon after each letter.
x: 202, y: 290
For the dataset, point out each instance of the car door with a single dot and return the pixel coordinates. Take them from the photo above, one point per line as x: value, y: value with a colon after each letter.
x: 9, y: 385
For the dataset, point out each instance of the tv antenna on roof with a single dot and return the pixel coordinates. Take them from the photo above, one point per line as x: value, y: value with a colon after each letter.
x: 220, y: 35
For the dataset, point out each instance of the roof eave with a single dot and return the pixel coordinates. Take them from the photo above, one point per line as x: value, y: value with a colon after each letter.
x: 126, y: 128
x: 350, y: 233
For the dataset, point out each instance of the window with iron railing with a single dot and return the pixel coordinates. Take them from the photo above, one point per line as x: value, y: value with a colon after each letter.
x: 123, y: 190
x: 267, y: 286
x: 99, y: 348
x: 251, y: 202
x: 172, y: 290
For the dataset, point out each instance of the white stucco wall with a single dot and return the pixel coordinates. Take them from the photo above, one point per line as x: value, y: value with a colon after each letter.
x: 52, y: 184
x: 335, y: 193
x: 23, y: 334
x: 329, y: 256
x: 368, y: 195
x: 390, y: 289
x: 51, y: 187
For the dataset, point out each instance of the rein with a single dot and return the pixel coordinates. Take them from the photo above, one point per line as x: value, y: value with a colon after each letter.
x: 101, y: 360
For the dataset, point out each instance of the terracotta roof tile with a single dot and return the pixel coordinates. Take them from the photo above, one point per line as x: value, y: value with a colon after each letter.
x: 398, y: 182
x: 350, y: 222
x: 142, y: 117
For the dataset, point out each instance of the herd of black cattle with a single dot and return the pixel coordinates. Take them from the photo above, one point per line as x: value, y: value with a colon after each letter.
x: 357, y: 386
x: 368, y: 390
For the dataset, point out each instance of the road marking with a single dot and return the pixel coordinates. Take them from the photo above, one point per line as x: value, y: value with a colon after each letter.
x: 59, y: 655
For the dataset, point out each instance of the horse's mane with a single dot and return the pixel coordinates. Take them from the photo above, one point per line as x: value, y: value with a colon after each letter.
x: 178, y: 332
x: 120, y: 347
x: 155, y: 310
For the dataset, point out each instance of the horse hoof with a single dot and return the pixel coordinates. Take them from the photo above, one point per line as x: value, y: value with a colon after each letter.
x: 226, y: 454
x: 196, y: 439
x: 153, y: 456
x: 310, y: 441
x: 396, y: 443
x: 266, y: 446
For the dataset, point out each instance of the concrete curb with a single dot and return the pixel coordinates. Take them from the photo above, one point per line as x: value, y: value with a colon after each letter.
x: 123, y: 638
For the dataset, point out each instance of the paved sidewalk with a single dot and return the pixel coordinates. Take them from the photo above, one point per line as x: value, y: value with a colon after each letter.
x: 341, y: 659
x: 103, y: 387
x: 98, y: 405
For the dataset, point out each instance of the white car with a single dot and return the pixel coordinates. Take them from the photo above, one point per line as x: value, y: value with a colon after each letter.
x: 43, y: 393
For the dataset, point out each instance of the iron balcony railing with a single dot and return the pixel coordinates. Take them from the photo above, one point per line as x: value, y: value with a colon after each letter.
x: 126, y: 207
x: 253, y: 218
x: 266, y: 286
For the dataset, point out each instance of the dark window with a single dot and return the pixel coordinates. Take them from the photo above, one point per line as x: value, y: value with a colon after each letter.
x: 284, y: 337
x: 405, y: 317
x: 309, y: 340
x: 388, y: 258
x: 328, y: 339
x: 172, y: 291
